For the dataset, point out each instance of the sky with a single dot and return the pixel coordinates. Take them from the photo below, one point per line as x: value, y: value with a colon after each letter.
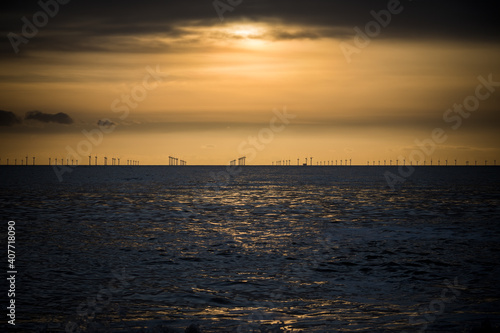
x: 211, y: 81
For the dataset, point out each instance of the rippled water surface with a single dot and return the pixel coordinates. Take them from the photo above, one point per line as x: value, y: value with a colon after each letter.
x: 269, y: 249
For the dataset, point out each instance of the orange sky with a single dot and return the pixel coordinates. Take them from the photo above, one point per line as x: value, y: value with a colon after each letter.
x: 220, y: 83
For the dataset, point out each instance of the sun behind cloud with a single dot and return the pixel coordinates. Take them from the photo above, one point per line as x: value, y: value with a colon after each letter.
x: 247, y: 31
x: 245, y: 35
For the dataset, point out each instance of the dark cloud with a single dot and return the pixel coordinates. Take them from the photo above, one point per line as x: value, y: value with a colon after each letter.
x: 303, y: 34
x: 59, y: 118
x: 105, y: 123
x: 8, y: 118
x: 88, y: 25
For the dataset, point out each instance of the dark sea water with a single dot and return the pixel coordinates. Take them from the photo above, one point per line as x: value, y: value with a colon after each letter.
x: 265, y: 249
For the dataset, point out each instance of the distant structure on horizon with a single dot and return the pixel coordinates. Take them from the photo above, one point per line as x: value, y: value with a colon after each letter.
x: 175, y: 161
x: 241, y: 161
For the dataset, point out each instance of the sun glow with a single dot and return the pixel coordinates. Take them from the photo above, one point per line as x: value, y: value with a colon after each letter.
x: 244, y: 35
x: 247, y: 32
x: 251, y: 37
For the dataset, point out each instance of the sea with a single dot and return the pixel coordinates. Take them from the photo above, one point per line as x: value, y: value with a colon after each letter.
x: 252, y: 248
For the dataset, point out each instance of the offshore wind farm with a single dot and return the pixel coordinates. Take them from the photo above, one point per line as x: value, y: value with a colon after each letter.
x: 241, y: 161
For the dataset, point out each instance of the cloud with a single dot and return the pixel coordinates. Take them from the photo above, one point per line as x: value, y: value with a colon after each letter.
x: 59, y: 118
x: 113, y: 27
x: 287, y: 35
x: 8, y: 118
x: 105, y: 123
